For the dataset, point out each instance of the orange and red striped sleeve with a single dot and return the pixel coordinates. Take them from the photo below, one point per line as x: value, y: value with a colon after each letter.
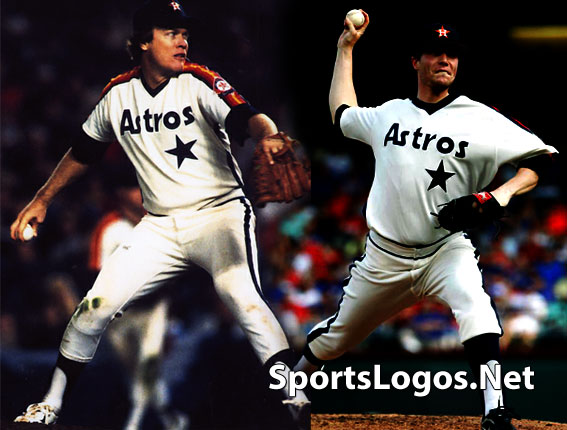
x: 214, y: 81
x: 120, y: 79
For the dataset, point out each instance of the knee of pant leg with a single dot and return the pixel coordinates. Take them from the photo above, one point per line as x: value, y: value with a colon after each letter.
x: 78, y: 346
x: 477, y: 318
x: 325, y: 348
x: 329, y: 340
x: 82, y: 335
x: 93, y: 315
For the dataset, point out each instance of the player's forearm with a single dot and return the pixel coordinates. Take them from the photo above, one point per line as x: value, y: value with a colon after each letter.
x: 342, y: 86
x: 34, y: 213
x: 66, y: 171
x: 260, y: 126
x: 525, y: 180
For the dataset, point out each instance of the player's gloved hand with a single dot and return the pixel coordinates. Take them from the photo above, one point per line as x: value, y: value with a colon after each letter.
x: 470, y: 212
x: 282, y: 177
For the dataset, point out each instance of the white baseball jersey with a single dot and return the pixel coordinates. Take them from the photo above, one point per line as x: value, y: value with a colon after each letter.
x: 426, y: 159
x: 174, y: 136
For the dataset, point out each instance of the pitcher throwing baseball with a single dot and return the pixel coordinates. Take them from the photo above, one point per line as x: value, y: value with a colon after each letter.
x: 435, y: 156
x: 173, y: 119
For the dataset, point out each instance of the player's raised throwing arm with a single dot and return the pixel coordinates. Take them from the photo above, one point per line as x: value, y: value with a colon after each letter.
x: 342, y: 86
x: 34, y: 213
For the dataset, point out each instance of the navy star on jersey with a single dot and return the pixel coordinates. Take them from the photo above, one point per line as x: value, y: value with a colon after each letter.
x: 182, y: 150
x: 439, y: 177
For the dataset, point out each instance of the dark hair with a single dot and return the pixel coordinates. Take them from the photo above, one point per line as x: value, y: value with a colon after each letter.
x: 134, y: 42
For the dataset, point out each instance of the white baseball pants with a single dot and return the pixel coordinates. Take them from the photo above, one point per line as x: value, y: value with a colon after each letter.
x: 219, y: 239
x: 391, y: 277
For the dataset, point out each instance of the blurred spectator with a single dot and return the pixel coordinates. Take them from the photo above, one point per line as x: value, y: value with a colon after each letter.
x: 551, y: 267
x: 525, y: 311
x: 555, y: 325
x: 427, y: 326
x: 48, y: 311
x: 8, y: 330
x: 556, y: 222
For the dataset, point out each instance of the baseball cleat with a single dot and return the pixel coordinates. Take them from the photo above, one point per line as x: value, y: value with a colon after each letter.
x: 499, y: 418
x: 40, y: 413
x: 300, y: 411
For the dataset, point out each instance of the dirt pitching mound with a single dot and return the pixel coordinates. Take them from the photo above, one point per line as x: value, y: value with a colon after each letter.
x: 414, y: 422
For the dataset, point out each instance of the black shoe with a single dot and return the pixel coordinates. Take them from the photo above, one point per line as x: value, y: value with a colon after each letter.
x: 499, y: 418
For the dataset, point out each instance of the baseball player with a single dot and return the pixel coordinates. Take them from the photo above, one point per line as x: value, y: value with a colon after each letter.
x: 139, y: 338
x: 173, y: 119
x: 436, y: 148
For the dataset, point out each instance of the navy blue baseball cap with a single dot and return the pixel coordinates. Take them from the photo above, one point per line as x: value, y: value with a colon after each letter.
x: 161, y: 14
x: 437, y: 38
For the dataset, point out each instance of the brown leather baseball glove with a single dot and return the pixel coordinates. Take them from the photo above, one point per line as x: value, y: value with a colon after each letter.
x: 288, y: 178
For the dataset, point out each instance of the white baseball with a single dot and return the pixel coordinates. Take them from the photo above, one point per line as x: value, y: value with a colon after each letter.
x: 356, y: 17
x: 28, y: 233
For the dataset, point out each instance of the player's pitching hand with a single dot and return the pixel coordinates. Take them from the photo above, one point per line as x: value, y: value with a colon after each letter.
x: 351, y: 34
x: 33, y: 214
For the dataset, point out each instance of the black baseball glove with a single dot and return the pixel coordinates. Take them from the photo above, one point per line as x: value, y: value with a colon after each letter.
x: 470, y: 212
x: 288, y: 178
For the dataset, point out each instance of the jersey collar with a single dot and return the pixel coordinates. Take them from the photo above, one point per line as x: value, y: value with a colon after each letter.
x: 153, y: 91
x: 431, y: 108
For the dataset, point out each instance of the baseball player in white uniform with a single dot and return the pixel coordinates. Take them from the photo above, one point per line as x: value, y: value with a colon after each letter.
x: 173, y: 119
x: 429, y: 150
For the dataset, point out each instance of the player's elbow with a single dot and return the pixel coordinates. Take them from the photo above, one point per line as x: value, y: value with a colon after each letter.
x: 531, y: 177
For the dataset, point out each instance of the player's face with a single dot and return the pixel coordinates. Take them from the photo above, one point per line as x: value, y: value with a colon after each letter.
x: 167, y: 51
x: 436, y: 70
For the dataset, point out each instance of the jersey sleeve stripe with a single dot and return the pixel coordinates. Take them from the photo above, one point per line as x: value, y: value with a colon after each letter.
x: 121, y: 79
x: 234, y: 99
x: 514, y: 120
x: 216, y: 83
x: 338, y: 115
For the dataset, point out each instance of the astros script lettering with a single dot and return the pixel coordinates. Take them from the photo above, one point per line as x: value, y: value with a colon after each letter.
x: 445, y: 145
x: 170, y: 120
